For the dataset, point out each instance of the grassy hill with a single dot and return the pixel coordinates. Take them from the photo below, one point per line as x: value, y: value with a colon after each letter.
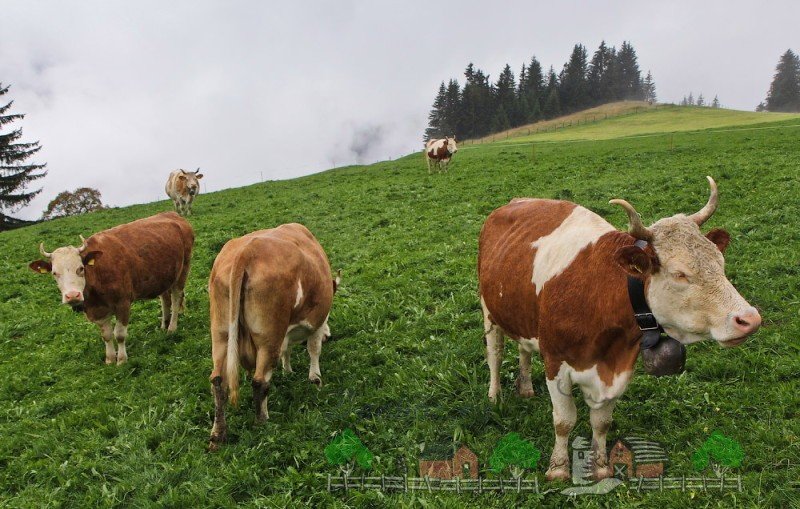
x: 406, y: 368
x: 633, y: 118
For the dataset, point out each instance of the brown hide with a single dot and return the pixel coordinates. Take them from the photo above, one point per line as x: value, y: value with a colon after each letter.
x: 581, y: 316
x: 439, y: 153
x: 141, y: 260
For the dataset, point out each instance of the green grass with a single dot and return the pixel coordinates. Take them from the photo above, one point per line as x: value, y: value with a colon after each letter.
x: 406, y: 369
x: 661, y: 119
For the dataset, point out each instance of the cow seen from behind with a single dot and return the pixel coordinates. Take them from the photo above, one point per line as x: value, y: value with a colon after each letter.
x: 267, y: 290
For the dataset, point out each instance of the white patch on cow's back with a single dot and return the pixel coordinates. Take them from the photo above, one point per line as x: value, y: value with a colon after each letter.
x: 595, y: 392
x: 556, y: 251
x: 299, y: 298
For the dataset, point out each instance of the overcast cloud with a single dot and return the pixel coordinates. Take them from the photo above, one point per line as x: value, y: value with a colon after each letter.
x: 121, y: 93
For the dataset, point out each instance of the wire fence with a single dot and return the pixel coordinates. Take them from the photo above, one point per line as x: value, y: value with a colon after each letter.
x: 480, y: 485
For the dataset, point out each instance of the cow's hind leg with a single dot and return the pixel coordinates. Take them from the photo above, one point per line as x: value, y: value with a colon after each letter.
x: 524, y: 382
x: 219, y: 345
x: 314, y: 346
x: 268, y: 348
x: 166, y: 309
x: 107, y: 333
x: 564, y: 417
x: 286, y: 355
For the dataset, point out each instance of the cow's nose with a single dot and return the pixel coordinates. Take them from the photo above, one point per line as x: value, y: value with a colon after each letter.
x: 748, y: 321
x: 71, y: 297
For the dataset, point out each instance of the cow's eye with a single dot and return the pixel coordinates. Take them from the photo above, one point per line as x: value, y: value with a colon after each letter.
x: 680, y: 276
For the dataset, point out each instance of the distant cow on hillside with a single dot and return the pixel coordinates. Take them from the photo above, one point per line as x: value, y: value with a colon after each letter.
x: 267, y: 290
x: 144, y: 259
x: 182, y: 186
x: 439, y: 153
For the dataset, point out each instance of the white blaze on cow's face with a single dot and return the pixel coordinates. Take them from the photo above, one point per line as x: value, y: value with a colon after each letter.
x: 688, y: 291
x: 68, y: 267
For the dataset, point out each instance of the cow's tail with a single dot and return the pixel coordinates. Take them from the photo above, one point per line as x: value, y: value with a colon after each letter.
x: 234, y: 310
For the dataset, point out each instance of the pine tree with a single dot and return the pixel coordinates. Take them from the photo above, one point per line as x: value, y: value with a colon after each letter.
x: 628, y: 77
x: 552, y: 105
x: 649, y: 88
x: 690, y: 99
x: 761, y: 107
x: 500, y: 122
x: 784, y: 92
x: 476, y: 110
x: 14, y: 175
x: 436, y: 116
x: 452, y: 110
x: 532, y: 88
x: 505, y: 96
x: 715, y: 103
x: 574, y: 87
x: 600, y: 75
x: 701, y: 100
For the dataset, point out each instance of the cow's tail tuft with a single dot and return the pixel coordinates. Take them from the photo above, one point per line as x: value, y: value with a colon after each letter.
x: 234, y: 309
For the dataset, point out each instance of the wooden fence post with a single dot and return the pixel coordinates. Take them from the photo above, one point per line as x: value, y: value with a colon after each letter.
x: 344, y: 476
x: 405, y: 482
x: 329, y: 483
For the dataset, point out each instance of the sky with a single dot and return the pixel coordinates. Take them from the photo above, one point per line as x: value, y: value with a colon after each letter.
x: 121, y: 93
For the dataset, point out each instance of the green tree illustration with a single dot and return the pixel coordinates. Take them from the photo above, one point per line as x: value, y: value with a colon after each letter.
x: 346, y: 450
x: 719, y: 451
x: 514, y: 453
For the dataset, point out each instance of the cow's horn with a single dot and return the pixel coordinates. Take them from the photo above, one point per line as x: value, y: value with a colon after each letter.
x: 83, y: 244
x: 44, y: 253
x: 706, y: 212
x: 636, y: 228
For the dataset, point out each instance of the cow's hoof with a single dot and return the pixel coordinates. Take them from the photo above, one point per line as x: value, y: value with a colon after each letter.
x: 262, y: 418
x: 600, y: 473
x: 525, y: 388
x: 558, y: 473
x: 171, y: 329
x: 316, y: 380
x: 110, y: 360
x: 216, y: 441
x: 493, y: 396
x: 121, y: 360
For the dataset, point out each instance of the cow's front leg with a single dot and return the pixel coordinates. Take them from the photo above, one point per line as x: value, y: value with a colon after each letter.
x: 600, y: 415
x: 564, y: 417
x: 121, y: 334
x: 314, y: 346
x: 107, y: 333
x: 176, y: 295
x: 166, y: 309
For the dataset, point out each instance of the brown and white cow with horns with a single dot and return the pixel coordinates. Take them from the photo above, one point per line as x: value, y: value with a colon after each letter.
x: 143, y: 259
x: 268, y: 290
x: 181, y: 187
x: 553, y: 276
x: 439, y: 153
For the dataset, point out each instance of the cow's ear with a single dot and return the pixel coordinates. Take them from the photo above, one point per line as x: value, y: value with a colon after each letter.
x: 635, y: 261
x: 91, y: 257
x: 41, y: 266
x: 720, y: 238
x: 199, y: 176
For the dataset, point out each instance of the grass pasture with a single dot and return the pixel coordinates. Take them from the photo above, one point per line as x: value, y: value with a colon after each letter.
x: 405, y: 369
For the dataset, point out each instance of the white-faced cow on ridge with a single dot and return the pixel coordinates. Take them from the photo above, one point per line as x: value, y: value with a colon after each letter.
x: 182, y: 186
x: 143, y: 259
x: 554, y: 277
x: 267, y: 290
x: 439, y: 152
